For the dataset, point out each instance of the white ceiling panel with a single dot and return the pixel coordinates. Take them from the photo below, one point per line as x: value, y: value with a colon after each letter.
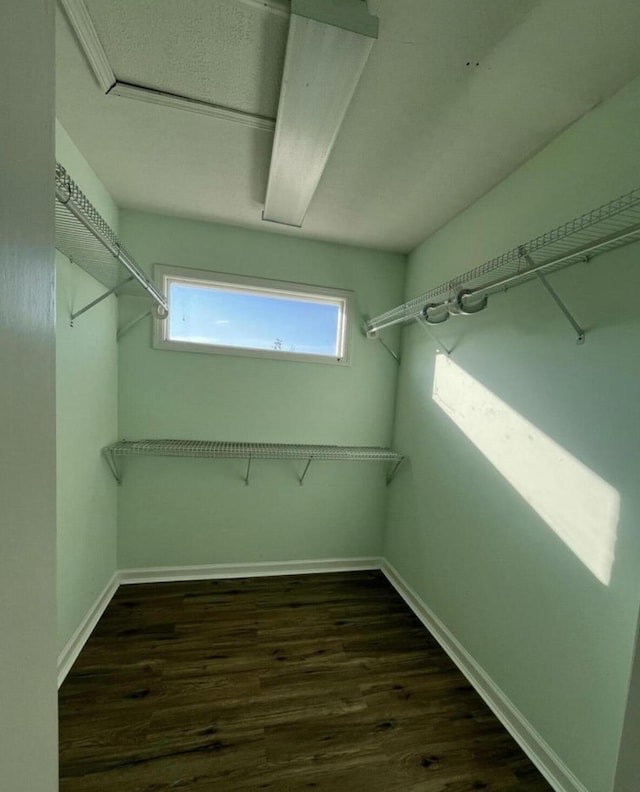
x: 454, y: 97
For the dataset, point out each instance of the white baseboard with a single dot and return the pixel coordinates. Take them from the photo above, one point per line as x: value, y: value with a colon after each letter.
x: 69, y: 654
x: 541, y: 754
x: 258, y: 569
x: 77, y: 641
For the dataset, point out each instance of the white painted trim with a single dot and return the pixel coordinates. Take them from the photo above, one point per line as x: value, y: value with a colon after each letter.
x: 342, y: 299
x: 258, y: 569
x: 69, y: 654
x: 537, y: 749
x: 85, y: 30
x: 141, y: 94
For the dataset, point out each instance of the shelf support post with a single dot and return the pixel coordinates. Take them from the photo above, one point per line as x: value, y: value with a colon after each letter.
x: 113, y: 467
x: 122, y: 331
x: 376, y: 334
x: 246, y: 478
x: 580, y: 333
x: 395, y: 356
x: 304, y: 472
x: 100, y: 299
x: 394, y: 470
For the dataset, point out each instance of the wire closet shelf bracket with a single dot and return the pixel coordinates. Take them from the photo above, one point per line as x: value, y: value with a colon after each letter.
x: 86, y: 239
x: 202, y: 449
x: 610, y: 226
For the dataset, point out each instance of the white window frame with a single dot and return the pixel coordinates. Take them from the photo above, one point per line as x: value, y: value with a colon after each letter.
x: 165, y: 275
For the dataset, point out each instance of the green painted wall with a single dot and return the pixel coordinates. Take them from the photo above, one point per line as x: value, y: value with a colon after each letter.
x: 86, y: 420
x: 628, y: 770
x: 555, y: 637
x: 68, y: 155
x: 199, y: 512
x: 28, y: 721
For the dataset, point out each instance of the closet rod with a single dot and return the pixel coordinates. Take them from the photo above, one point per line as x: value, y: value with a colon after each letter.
x: 581, y: 254
x: 610, y: 226
x: 73, y: 199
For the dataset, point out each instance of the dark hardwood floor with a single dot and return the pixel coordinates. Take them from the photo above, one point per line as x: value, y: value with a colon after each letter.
x: 323, y: 682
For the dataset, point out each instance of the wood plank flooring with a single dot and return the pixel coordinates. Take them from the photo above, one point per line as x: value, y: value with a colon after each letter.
x: 323, y: 682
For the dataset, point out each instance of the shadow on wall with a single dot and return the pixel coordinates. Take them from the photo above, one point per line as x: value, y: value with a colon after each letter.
x: 580, y: 507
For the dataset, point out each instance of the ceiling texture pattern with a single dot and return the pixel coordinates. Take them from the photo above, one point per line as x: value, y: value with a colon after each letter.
x: 454, y: 97
x: 223, y: 52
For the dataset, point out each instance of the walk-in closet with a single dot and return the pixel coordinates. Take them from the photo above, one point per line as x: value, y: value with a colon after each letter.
x: 319, y: 461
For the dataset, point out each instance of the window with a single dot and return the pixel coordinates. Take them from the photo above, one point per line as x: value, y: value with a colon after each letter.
x: 233, y: 314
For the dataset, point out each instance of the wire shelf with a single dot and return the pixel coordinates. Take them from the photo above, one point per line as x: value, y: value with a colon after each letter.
x: 610, y: 226
x: 215, y: 449
x: 86, y: 239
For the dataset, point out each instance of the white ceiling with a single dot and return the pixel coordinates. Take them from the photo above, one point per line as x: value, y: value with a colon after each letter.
x: 220, y: 51
x: 455, y: 96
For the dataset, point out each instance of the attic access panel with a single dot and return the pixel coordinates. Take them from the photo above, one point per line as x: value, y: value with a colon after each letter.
x: 228, y: 53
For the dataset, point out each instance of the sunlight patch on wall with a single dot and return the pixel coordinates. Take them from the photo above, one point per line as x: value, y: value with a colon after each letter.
x: 579, y: 506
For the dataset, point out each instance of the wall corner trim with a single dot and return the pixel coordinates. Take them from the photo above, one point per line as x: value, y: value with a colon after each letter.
x: 69, y: 654
x: 540, y: 752
x: 257, y: 569
x: 82, y: 24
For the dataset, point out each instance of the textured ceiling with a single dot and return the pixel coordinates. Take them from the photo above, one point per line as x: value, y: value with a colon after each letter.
x: 455, y: 96
x: 224, y: 52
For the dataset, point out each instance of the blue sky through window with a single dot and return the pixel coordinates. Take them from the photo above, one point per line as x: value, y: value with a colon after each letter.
x: 206, y: 315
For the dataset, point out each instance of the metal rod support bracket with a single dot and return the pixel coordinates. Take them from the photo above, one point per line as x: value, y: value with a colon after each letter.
x: 394, y: 470
x: 113, y: 467
x: 375, y: 334
x: 580, y: 333
x: 122, y: 331
x: 304, y: 472
x: 99, y: 299
x: 395, y: 356
x: 246, y: 478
